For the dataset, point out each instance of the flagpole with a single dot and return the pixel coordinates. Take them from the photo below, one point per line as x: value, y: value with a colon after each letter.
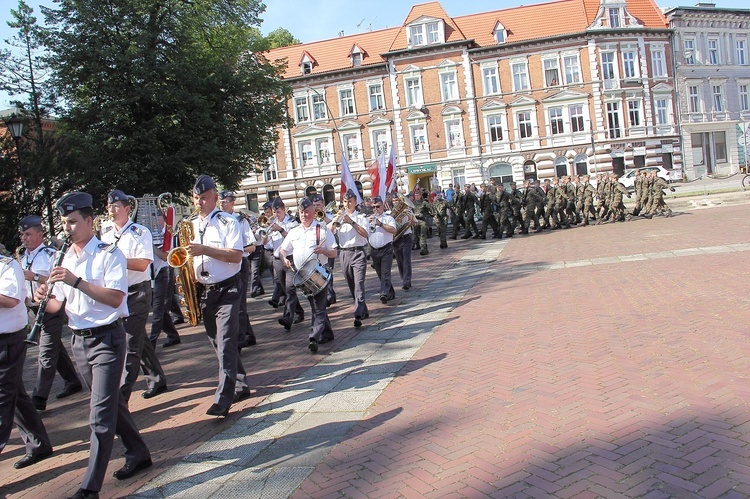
x: 333, y: 120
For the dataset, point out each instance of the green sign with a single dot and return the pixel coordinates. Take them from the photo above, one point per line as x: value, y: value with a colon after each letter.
x: 428, y: 168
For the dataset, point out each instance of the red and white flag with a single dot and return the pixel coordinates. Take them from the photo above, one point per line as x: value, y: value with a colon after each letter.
x: 347, y: 181
x: 377, y: 172
x: 390, y: 178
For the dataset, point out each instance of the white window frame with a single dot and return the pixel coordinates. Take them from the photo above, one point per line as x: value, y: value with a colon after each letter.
x: 630, y: 64
x: 744, y: 96
x: 661, y: 110
x: 306, y: 153
x: 524, y: 124
x: 375, y: 92
x: 413, y: 94
x: 379, y: 143
x: 356, y: 58
x: 346, y: 104
x: 610, y: 69
x: 459, y: 177
x: 635, y: 110
x: 495, y: 124
x: 319, y: 106
x: 432, y: 32
x: 740, y: 45
x: 490, y: 80
x: 353, y: 146
x: 426, y: 33
x: 717, y: 98
x: 577, y: 118
x: 614, y: 117
x: 556, y: 120
x: 301, y: 106
x: 324, y: 151
x: 689, y: 50
x: 694, y: 99
x: 658, y: 63
x: 551, y: 66
x: 521, y: 77
x: 416, y: 35
x: 270, y: 169
x: 614, y: 17
x: 574, y: 77
x: 713, y: 54
x: 454, y: 134
x: 418, y: 142
x: 449, y: 85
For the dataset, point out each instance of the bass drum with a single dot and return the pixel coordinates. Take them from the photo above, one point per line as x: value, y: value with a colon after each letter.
x: 312, y: 278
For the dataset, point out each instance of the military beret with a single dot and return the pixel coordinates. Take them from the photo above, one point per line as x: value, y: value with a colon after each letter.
x: 28, y: 222
x: 304, y: 203
x: 74, y: 201
x: 350, y: 194
x: 226, y: 194
x: 316, y: 197
x: 277, y: 203
x: 117, y: 195
x: 203, y: 184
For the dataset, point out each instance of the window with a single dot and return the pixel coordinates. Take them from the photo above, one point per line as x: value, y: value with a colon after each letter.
x: 694, y: 99
x: 520, y: 76
x: 433, y: 32
x: 576, y: 118
x: 448, y: 86
x: 500, y: 34
x: 718, y: 93
x: 306, y: 153
x: 356, y: 58
x: 561, y: 167
x: 381, y: 143
x: 323, y: 147
x: 459, y: 177
x: 662, y: 111
x: 423, y: 34
x: 613, y: 120
x: 307, y: 67
x: 346, y: 101
x: 319, y: 107
x: 375, y: 91
x: 608, y: 69
x: 551, y: 72
x: 418, y: 138
x: 689, y: 45
x: 417, y: 38
x: 713, y: 51
x: 696, y: 140
x: 614, y: 18
x: 572, y: 69
x: 491, y: 82
x: 629, y: 67
x: 413, y: 92
x: 495, y: 126
x: 634, y: 112
x: 741, y: 52
x: 353, y: 152
x: 658, y: 67
x: 454, y: 134
x: 556, y: 120
x: 300, y: 109
x: 744, y: 98
x: 524, y: 124
x: 251, y: 202
x: 582, y: 164
x: 270, y: 170
x: 720, y: 146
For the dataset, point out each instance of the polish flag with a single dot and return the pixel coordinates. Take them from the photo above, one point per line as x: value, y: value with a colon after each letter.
x: 390, y: 177
x: 377, y: 172
x: 347, y: 181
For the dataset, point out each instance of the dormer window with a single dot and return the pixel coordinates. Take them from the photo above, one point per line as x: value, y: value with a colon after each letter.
x: 356, y: 55
x: 613, y: 15
x: 306, y: 63
x: 500, y: 33
x: 306, y: 68
x: 425, y: 33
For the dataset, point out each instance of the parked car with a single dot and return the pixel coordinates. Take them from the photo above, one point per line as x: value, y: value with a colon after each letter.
x: 628, y: 178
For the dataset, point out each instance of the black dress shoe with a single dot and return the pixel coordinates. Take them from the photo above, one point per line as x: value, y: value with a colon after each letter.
x: 40, y: 404
x: 405, y: 287
x: 357, y: 322
x: 325, y: 339
x: 240, y: 396
x: 383, y: 300
x: 259, y: 293
x: 273, y: 303
x: 131, y: 469
x: 298, y: 319
x: 287, y: 325
x: 154, y: 391
x: 217, y: 410
x: 85, y: 494
x: 313, y: 346
x: 171, y: 343
x: 249, y: 341
x: 180, y: 320
x: 425, y: 252
x: 30, y: 459
x: 69, y: 390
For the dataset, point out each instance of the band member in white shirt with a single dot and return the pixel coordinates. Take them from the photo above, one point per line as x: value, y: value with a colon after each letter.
x: 36, y: 261
x: 136, y: 243
x: 217, y: 255
x: 319, y: 204
x: 164, y: 284
x: 92, y: 280
x: 382, y: 228
x: 247, y: 335
x: 293, y: 311
x: 15, y: 403
x: 308, y: 240
x: 352, y: 233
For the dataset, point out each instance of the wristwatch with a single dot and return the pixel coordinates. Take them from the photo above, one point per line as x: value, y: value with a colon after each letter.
x: 36, y: 277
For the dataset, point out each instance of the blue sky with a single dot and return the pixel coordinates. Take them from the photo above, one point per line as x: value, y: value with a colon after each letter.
x: 320, y: 19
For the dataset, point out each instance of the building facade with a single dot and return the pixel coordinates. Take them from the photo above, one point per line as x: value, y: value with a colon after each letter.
x: 712, y: 74
x: 504, y: 94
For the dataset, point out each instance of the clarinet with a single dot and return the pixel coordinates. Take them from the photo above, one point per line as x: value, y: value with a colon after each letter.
x: 36, y: 329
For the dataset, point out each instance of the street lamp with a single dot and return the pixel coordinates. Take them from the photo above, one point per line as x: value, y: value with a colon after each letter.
x: 15, y: 127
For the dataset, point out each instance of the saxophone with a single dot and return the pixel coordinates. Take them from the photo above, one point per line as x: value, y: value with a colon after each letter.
x: 179, y: 258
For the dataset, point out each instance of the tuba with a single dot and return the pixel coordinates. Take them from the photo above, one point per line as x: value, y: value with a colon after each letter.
x: 179, y: 258
x: 403, y: 213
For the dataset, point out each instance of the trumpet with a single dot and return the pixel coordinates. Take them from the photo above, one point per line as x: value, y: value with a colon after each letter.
x: 262, y: 227
x: 19, y: 253
x: 374, y: 223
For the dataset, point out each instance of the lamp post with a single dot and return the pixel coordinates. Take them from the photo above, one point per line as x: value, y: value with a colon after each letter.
x: 15, y: 127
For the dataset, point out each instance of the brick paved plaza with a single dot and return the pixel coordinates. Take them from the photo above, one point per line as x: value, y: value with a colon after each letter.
x: 601, y: 361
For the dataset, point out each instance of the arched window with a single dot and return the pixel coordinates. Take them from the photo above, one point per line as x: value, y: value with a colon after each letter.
x: 329, y: 194
x: 529, y: 170
x: 582, y: 164
x: 501, y: 173
x: 561, y: 167
x: 309, y: 191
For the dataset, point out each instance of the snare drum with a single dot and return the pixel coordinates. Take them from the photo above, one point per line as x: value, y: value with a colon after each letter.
x: 312, y: 277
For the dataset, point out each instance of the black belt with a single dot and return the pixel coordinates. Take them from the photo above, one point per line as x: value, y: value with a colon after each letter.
x: 268, y: 249
x: 354, y: 248
x: 382, y: 247
x: 140, y: 285
x: 85, y: 333
x: 222, y: 284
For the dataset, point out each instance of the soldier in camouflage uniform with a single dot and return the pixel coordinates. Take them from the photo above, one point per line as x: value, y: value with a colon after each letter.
x: 516, y: 203
x: 638, y: 184
x: 550, y: 215
x: 571, y: 187
x: 471, y: 203
x: 587, y: 200
x: 658, y: 206
x: 487, y: 208
x: 618, y: 210
x: 421, y: 212
x: 502, y: 201
x: 561, y: 202
x: 534, y: 199
x: 439, y: 210
x: 457, y: 211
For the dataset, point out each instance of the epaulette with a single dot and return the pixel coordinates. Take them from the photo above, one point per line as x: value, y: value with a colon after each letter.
x: 5, y: 260
x: 49, y: 251
x: 137, y: 230
x: 223, y: 218
x: 107, y: 228
x: 109, y: 247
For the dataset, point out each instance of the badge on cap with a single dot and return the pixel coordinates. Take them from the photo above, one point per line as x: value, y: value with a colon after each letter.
x: 277, y: 203
x: 117, y: 196
x: 377, y: 199
x: 28, y: 222
x: 203, y: 184
x: 316, y: 197
x: 350, y: 194
x: 226, y: 194
x: 74, y: 201
x: 304, y: 203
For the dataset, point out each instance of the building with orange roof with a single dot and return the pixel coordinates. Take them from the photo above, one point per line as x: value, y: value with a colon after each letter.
x: 560, y: 88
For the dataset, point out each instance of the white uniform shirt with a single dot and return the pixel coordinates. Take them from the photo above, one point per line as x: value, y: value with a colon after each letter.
x: 39, y: 262
x: 135, y: 241
x: 100, y: 264
x: 12, y: 286
x: 380, y: 237
x: 348, y: 235
x: 218, y: 230
x: 276, y: 238
x: 248, y: 237
x: 301, y: 242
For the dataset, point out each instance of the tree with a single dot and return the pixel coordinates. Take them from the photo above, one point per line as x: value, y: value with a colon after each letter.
x: 280, y: 37
x: 161, y: 91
